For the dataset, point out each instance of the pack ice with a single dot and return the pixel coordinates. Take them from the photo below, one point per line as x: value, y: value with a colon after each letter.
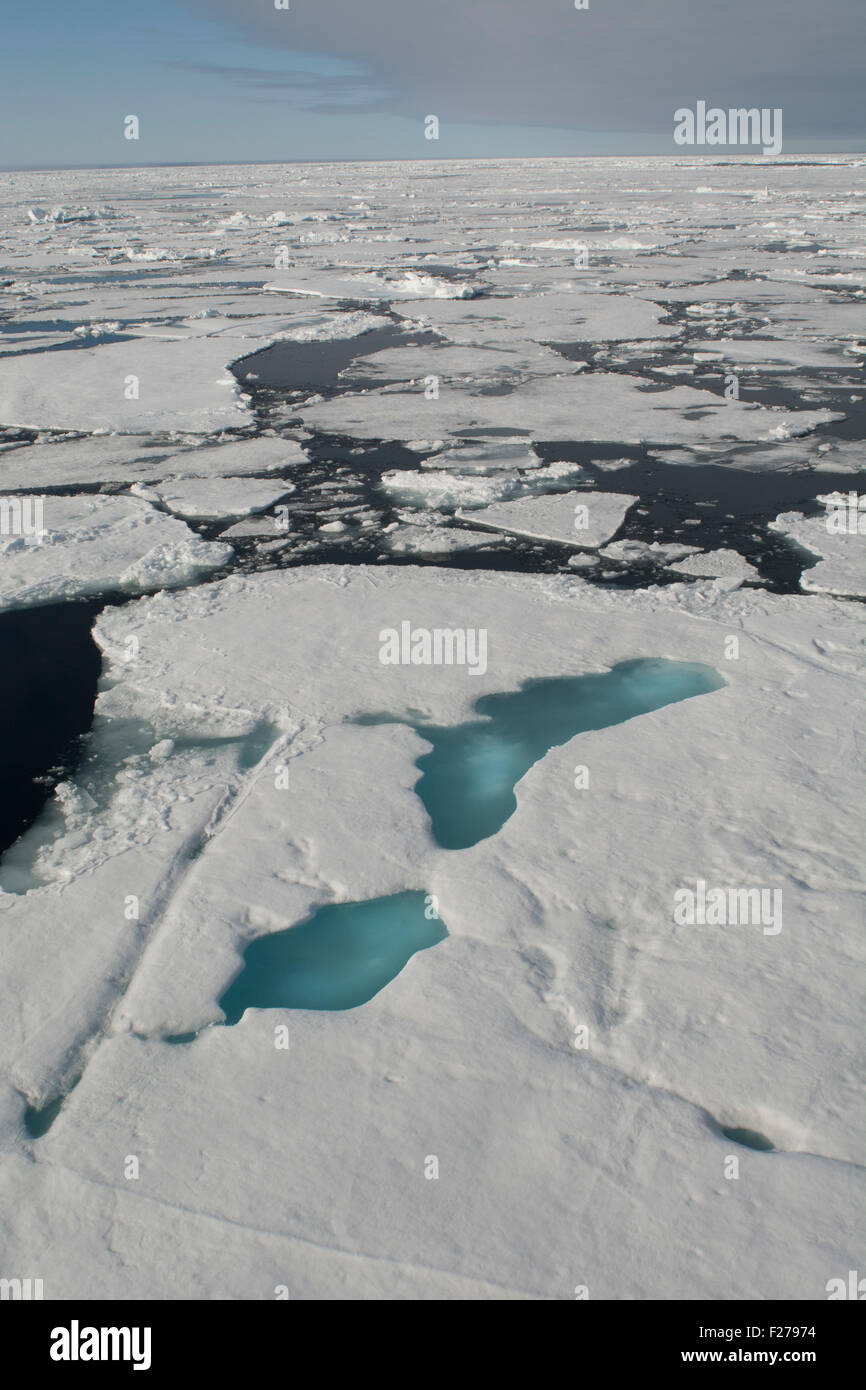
x: 564, y: 1082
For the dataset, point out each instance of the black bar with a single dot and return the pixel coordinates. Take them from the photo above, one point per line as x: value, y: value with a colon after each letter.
x: 271, y: 1338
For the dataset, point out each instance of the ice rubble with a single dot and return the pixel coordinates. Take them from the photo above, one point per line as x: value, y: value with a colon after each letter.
x: 438, y: 488
x: 485, y: 458
x: 408, y: 539
x: 661, y: 551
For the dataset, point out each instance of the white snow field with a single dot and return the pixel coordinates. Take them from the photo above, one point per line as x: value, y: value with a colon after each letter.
x: 434, y: 382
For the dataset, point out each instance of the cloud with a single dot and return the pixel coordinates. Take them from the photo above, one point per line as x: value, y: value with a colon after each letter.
x: 620, y: 65
x: 311, y: 89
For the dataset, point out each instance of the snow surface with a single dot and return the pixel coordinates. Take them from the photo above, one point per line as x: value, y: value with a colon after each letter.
x: 122, y: 459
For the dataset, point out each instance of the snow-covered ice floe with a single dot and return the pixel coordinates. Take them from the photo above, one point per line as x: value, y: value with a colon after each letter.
x: 257, y: 798
x: 572, y: 406
x: 134, y: 387
x: 214, y: 499
x: 581, y: 519
x: 838, y: 540
x: 717, y: 564
x: 117, y: 458
x: 89, y: 545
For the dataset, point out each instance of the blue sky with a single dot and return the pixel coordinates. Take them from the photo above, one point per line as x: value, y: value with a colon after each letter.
x: 229, y: 80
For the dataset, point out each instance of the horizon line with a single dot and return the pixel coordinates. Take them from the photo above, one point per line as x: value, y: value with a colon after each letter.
x: 741, y: 157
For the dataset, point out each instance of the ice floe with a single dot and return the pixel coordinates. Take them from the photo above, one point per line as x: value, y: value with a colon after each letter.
x: 101, y: 544
x: 717, y: 564
x: 214, y: 499
x: 134, y: 387
x: 433, y: 540
x: 113, y: 458
x: 837, y: 538
x: 599, y: 407
x: 581, y: 519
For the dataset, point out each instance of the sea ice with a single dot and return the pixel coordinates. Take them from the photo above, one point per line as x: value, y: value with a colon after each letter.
x: 717, y: 564
x: 214, y: 499
x: 433, y: 540
x: 581, y: 519
x: 841, y: 567
x: 561, y: 921
x: 136, y: 387
x: 579, y: 1064
x: 600, y: 407
x: 98, y: 544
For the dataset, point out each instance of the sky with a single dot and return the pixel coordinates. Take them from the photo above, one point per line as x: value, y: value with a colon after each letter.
x: 241, y: 80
